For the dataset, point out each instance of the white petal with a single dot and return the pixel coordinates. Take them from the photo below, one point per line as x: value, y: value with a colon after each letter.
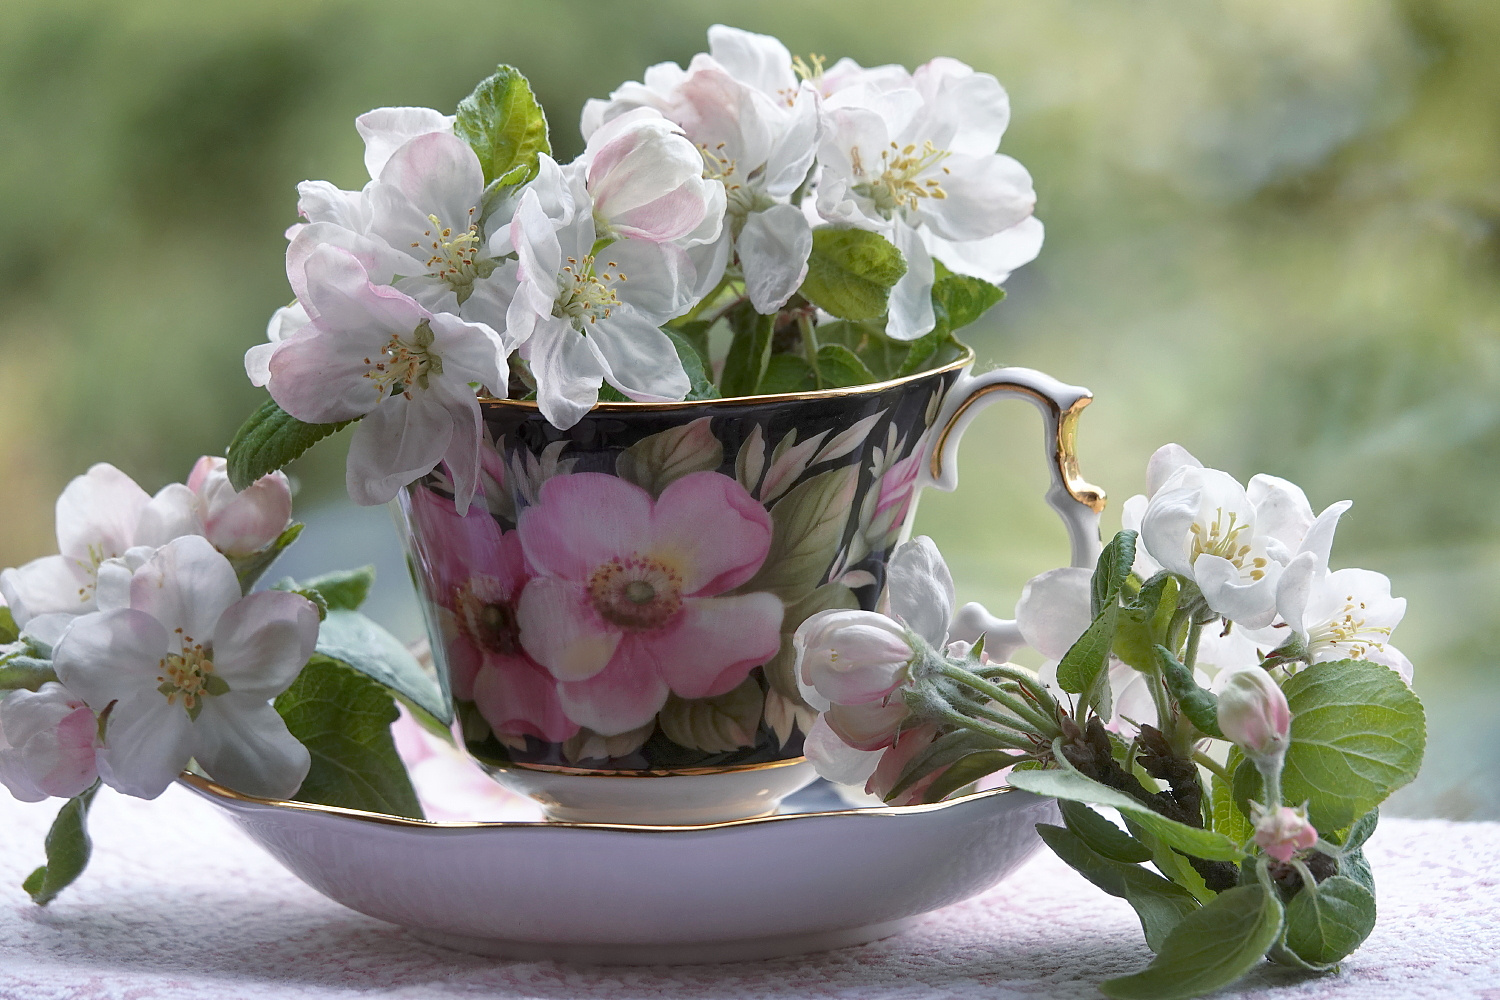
x: 568, y: 373
x: 1319, y: 538
x: 639, y: 359
x: 147, y: 743
x: 46, y: 586
x: 921, y: 589
x: 911, y: 298
x: 1281, y: 509
x: 1250, y: 605
x: 320, y: 201
x: 435, y: 175
x: 1295, y: 587
x: 1054, y: 610
x: 186, y: 586
x: 243, y: 743
x: 1165, y: 461
x: 774, y: 246
x: 985, y: 195
x: 761, y: 61
x: 263, y: 641
x: 386, y: 130
x: 172, y: 513
x: 836, y: 760
x: 991, y: 259
x: 396, y: 443
x: 97, y: 514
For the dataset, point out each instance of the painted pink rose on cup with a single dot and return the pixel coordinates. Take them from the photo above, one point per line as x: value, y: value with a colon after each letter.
x: 631, y: 599
x: 480, y: 572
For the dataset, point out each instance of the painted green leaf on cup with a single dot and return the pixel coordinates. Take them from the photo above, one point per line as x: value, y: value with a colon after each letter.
x: 806, y: 527
x: 344, y: 719
x: 1069, y: 784
x: 1210, y: 947
x: 850, y: 272
x: 1324, y: 926
x: 503, y: 123
x: 656, y: 462
x: 714, y: 725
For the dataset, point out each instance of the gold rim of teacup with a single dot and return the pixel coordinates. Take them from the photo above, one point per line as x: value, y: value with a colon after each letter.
x: 654, y: 772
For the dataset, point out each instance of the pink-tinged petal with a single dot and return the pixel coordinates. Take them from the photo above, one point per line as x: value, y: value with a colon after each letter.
x: 45, y: 586
x: 64, y: 758
x: 625, y: 696
x: 461, y: 458
x: 471, y: 352
x: 319, y: 377
x: 868, y: 727
x: 47, y: 743
x: 110, y: 656
x: 457, y: 547
x: 561, y: 630
x: 344, y: 294
x: 437, y: 174
x: 262, y: 642
x: 910, y: 743
x: 146, y: 744
x: 517, y: 697
x: 568, y: 374
x: 97, y: 513
x: 379, y: 261
x: 243, y: 743
x: 386, y: 130
x: 1054, y: 610
x: 172, y: 513
x: 186, y: 586
x: 714, y: 642
x: 464, y: 659
x: 248, y: 521
x: 774, y: 247
x: 582, y: 521
x: 836, y: 760
x: 714, y: 533
x: 395, y: 444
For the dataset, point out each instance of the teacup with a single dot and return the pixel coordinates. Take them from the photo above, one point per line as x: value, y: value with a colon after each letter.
x: 617, y: 608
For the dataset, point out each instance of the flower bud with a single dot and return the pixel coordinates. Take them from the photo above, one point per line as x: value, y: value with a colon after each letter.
x: 240, y: 523
x: 1283, y: 831
x: 850, y: 657
x: 48, y: 740
x: 646, y: 179
x: 1253, y: 713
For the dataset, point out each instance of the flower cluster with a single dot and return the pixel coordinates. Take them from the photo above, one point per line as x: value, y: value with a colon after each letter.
x: 145, y: 652
x: 1209, y: 671
x: 472, y: 264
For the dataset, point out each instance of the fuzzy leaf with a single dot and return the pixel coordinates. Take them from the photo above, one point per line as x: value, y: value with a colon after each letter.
x: 344, y: 589
x: 270, y: 439
x: 1084, y: 661
x: 850, y: 272
x: 1102, y: 836
x: 1200, y: 706
x: 787, y: 373
x: 1211, y: 947
x: 968, y: 769
x: 1324, y: 926
x: 714, y: 725
x: 1069, y: 784
x: 22, y: 671
x: 806, y: 527
x: 655, y: 462
x: 68, y: 849
x: 839, y: 367
x: 945, y: 750
x: 958, y: 299
x: 505, y: 125
x: 1227, y: 817
x: 1111, y: 571
x: 8, y: 631
x: 344, y: 719
x: 700, y: 380
x: 362, y: 645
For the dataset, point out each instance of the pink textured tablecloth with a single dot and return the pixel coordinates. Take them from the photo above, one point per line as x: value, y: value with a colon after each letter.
x: 179, y: 904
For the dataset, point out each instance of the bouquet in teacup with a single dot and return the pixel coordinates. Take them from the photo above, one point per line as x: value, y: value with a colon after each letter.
x: 1213, y: 684
x: 752, y: 225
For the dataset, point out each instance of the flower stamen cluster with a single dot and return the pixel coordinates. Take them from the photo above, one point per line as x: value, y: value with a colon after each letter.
x: 189, y: 674
x: 899, y: 183
x: 591, y: 296
x: 411, y: 362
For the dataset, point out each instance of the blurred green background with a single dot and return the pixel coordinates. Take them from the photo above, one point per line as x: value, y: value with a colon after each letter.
x: 1271, y: 236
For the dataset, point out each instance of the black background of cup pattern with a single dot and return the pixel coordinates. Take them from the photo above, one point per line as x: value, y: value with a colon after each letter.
x: 595, y: 443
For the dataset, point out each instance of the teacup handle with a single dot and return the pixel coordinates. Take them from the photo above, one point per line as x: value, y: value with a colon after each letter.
x: 1076, y: 501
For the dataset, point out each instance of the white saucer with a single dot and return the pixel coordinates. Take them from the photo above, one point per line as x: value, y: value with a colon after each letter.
x: 644, y: 895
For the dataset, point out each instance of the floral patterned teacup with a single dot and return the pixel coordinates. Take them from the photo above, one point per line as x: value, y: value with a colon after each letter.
x: 620, y: 602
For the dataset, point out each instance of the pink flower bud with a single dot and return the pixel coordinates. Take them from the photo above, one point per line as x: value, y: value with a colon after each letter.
x: 1254, y: 714
x: 240, y: 523
x: 48, y: 740
x: 1282, y: 831
x: 850, y: 657
x: 893, y: 762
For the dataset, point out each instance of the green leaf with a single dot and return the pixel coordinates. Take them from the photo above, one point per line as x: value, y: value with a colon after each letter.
x: 1360, y: 831
x: 694, y: 333
x: 958, y: 300
x: 749, y: 351
x: 1084, y: 661
x: 68, y: 849
x: 344, y: 719
x: 884, y: 356
x: 968, y: 769
x: 250, y: 568
x: 1145, y: 620
x: 1069, y: 784
x: 657, y: 461
x: 8, y: 630
x: 1102, y: 836
x: 1209, y: 948
x: 1171, y: 862
x: 505, y: 125
x: 1324, y: 926
x: 807, y: 526
x: 1200, y: 706
x: 1227, y: 817
x: 714, y: 725
x: 359, y: 643
x: 787, y: 373
x: 1158, y: 903
x: 22, y: 671
x: 841, y: 367
x: 1358, y: 733
x: 945, y: 750
x: 1111, y: 571
x: 268, y: 440
x: 344, y: 589
x: 694, y: 364
x: 921, y: 352
x: 850, y: 272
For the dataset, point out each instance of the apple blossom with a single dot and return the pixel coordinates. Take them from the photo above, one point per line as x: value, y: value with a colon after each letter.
x: 1253, y: 714
x: 187, y: 671
x: 583, y: 321
x: 1282, y: 831
x: 239, y: 523
x: 850, y: 657
x: 646, y: 181
x: 1343, y: 614
x: 375, y: 353
x: 101, y: 515
x: 48, y: 740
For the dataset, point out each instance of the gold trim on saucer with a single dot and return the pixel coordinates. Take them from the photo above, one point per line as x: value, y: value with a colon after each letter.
x: 659, y: 772
x: 212, y: 789
x: 779, y: 397
x: 1064, y: 448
